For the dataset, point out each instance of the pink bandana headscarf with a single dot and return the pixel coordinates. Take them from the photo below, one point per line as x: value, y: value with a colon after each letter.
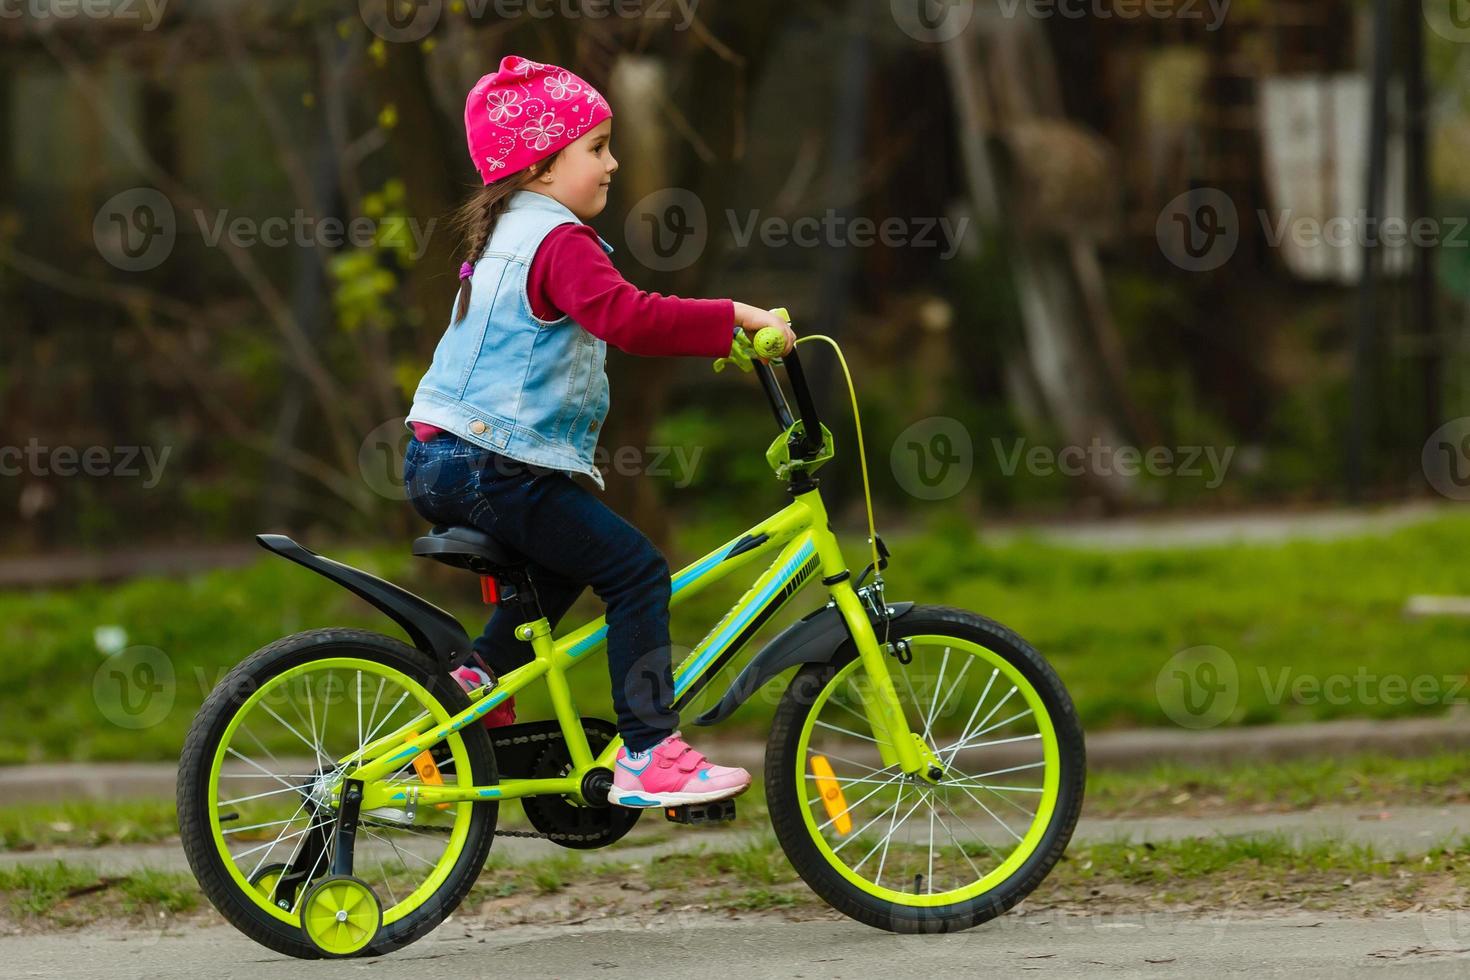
x: 526, y: 111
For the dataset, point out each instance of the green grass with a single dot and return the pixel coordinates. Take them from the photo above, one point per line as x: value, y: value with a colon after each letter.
x: 1287, y: 785
x: 62, y: 894
x: 86, y: 823
x: 1108, y: 621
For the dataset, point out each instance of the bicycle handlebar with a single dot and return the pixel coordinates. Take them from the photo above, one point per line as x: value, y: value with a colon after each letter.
x: 811, y: 424
x: 745, y: 353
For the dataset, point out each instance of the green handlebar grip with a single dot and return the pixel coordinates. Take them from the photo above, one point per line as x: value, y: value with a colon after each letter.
x: 769, y: 342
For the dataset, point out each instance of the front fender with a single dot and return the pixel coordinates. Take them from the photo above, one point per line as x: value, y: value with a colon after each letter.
x: 812, y: 639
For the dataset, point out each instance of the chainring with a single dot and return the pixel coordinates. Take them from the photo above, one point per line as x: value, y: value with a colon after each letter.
x: 568, y: 823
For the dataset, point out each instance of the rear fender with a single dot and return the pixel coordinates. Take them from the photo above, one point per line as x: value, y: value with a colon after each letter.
x: 431, y: 629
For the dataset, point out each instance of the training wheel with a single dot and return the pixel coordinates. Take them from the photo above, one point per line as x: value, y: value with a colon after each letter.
x: 340, y: 915
x: 266, y: 879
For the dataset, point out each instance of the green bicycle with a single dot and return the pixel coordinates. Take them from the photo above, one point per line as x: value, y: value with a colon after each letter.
x: 337, y: 795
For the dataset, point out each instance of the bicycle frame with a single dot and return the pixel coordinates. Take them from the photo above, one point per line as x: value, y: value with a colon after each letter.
x: 802, y: 544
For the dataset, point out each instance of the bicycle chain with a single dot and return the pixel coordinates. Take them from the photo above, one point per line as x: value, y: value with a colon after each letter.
x: 521, y: 740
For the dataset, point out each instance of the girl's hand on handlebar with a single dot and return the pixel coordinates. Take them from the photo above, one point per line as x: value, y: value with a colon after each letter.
x: 753, y: 318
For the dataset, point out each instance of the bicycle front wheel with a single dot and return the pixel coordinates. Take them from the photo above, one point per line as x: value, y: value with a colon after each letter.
x: 906, y: 854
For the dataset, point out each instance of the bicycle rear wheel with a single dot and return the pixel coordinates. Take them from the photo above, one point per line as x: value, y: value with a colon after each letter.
x: 898, y: 852
x: 261, y: 774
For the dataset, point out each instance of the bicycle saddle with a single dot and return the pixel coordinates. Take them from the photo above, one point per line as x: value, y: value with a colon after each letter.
x: 467, y: 547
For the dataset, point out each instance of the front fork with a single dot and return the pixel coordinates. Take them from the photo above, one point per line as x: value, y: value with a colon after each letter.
x: 898, y: 745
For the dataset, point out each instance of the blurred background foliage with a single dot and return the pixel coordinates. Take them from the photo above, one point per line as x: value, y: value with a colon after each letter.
x: 274, y: 376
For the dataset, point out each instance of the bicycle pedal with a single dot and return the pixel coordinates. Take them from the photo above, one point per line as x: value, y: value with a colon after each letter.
x: 716, y: 811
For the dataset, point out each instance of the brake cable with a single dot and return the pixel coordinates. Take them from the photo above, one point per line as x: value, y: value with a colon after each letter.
x: 862, y: 453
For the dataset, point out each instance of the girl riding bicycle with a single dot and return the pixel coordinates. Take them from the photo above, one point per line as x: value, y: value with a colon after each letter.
x: 516, y: 394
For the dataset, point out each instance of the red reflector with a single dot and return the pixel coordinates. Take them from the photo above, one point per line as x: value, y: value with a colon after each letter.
x: 489, y: 590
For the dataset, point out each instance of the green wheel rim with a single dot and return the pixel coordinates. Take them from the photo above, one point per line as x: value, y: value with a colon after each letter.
x: 341, y: 916
x: 1003, y: 675
x: 427, y: 709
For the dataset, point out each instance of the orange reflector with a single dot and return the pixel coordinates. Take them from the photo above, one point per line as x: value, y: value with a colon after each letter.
x: 423, y: 764
x: 832, y: 797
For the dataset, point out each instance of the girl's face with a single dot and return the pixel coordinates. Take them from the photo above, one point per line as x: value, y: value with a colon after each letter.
x: 580, y: 176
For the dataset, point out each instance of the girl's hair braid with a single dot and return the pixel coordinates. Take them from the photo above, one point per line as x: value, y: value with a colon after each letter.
x: 476, y: 219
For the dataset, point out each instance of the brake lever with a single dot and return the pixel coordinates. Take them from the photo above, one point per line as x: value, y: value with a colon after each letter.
x: 742, y: 354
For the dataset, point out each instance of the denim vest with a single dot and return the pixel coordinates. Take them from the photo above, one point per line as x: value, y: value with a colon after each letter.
x: 502, y: 378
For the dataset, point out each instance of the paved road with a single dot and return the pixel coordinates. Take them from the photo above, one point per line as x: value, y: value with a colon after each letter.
x: 696, y: 945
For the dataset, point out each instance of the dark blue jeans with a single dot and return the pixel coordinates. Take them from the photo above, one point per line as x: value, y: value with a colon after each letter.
x: 572, y: 540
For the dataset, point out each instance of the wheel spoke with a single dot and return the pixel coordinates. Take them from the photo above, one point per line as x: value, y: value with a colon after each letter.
x: 251, y: 762
x: 1000, y: 741
x: 966, y: 734
x: 945, y: 803
x: 889, y: 837
x: 934, y: 704
x: 855, y: 836
x: 897, y: 802
x: 966, y: 743
x: 866, y: 738
x: 257, y: 796
x: 315, y: 749
x: 958, y: 681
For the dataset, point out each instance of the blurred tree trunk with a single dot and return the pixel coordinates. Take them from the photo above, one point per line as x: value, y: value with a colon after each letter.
x: 423, y: 145
x: 1072, y: 360
x: 698, y: 148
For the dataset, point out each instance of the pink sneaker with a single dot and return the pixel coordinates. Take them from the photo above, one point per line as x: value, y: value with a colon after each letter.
x: 502, y: 714
x: 672, y: 774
